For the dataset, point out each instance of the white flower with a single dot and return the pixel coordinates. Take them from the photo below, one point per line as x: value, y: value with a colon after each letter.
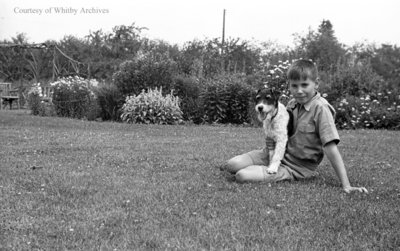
x: 326, y: 95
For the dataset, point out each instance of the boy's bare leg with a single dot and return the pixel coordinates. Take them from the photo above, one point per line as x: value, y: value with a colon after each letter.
x: 253, y: 173
x: 239, y: 162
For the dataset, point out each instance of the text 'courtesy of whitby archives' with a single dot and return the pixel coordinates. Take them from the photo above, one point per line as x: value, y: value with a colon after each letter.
x: 61, y: 10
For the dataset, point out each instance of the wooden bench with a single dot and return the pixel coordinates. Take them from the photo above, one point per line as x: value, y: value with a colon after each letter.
x: 8, y: 95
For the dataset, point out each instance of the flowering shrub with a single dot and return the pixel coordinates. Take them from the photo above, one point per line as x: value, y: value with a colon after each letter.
x: 151, y: 107
x: 276, y: 78
x: 375, y: 111
x: 36, y: 89
x: 72, y: 96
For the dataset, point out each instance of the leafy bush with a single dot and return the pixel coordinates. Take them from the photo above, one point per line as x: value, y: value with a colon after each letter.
x: 352, y: 78
x: 93, y: 111
x: 47, y: 109
x: 72, y: 96
x: 109, y: 101
x: 152, y: 107
x: 34, y: 98
x: 148, y: 70
x: 188, y: 90
x: 225, y: 99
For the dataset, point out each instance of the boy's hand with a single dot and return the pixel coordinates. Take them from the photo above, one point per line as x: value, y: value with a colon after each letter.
x: 355, y: 189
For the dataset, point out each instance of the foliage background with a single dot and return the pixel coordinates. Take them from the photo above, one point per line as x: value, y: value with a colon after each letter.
x: 125, y: 63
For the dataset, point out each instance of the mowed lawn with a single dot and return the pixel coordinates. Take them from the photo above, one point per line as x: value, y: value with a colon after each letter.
x: 80, y: 185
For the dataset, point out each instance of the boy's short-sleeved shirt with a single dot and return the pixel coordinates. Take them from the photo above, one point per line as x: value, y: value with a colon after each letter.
x: 314, y: 126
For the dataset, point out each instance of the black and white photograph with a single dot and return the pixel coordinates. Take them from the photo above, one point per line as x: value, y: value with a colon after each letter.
x: 199, y: 125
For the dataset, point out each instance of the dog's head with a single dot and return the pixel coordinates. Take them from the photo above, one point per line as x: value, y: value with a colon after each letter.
x: 266, y: 101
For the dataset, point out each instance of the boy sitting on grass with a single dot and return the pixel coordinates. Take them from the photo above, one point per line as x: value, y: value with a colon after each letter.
x: 314, y: 134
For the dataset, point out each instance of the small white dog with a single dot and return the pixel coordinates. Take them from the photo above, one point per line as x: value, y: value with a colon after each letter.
x: 275, y: 119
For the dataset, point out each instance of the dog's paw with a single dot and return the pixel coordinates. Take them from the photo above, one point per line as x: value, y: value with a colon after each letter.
x: 272, y: 170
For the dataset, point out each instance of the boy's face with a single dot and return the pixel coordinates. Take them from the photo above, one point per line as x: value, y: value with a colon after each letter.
x: 302, y: 90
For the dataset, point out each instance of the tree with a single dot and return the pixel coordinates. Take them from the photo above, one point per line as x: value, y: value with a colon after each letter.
x: 145, y: 71
x: 241, y: 56
x: 105, y: 51
x: 386, y: 62
x: 321, y: 46
x: 14, y: 65
x: 200, y: 58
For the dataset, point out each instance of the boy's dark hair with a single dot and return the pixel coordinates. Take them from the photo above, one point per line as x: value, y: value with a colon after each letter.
x: 302, y: 69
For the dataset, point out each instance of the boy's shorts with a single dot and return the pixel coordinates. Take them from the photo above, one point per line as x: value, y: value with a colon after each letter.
x: 261, y: 158
x: 287, y: 169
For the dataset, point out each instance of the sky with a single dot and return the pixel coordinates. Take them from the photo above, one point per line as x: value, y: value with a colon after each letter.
x: 180, y: 21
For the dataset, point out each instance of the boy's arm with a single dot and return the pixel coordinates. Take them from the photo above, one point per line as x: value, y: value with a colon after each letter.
x: 333, y: 154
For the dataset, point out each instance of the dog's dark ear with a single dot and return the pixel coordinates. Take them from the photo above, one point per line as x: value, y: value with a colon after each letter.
x: 276, y: 93
x: 254, y: 97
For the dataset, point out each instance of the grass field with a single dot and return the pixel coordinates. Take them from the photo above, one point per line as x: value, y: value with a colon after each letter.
x: 79, y: 185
